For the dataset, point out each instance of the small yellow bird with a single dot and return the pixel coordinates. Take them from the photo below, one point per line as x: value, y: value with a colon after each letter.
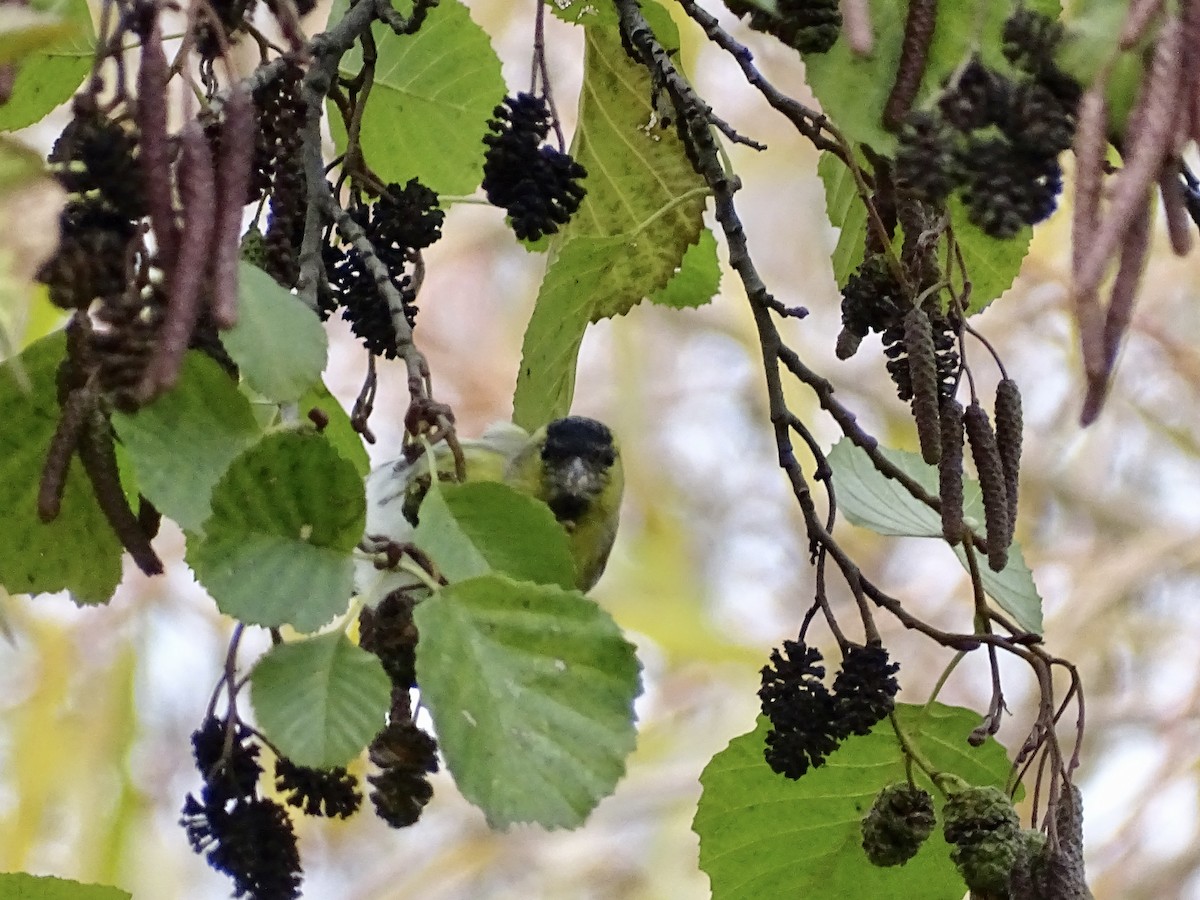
x: 572, y: 465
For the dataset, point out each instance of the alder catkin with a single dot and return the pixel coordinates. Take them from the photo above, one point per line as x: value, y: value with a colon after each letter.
x: 98, y: 455
x: 922, y: 367
x: 950, y: 470
x: 197, y: 189
x: 919, y: 27
x: 233, y: 170
x: 1009, y: 428
x: 991, y: 483
x: 154, y: 151
x: 72, y: 422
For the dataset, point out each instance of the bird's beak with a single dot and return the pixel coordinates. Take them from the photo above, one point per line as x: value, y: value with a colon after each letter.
x: 580, y: 479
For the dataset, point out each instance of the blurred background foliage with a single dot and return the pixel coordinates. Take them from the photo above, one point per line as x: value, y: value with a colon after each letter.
x: 709, y: 571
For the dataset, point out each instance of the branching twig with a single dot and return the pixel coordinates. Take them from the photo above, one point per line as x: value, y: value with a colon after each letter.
x: 777, y: 356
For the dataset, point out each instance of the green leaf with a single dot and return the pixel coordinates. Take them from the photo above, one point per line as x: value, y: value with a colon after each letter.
x: 585, y: 12
x: 19, y: 165
x: 430, y: 104
x: 22, y: 886
x: 339, y: 431
x: 485, y: 526
x: 871, y: 500
x: 24, y: 30
x: 278, y: 342
x: 697, y: 279
x: 50, y: 76
x: 846, y: 213
x: 991, y: 263
x: 321, y: 700
x: 640, y: 184
x: 853, y: 90
x: 77, y: 551
x: 643, y: 210
x: 531, y: 689
x: 182, y: 443
x: 277, y: 548
x: 1012, y: 588
x: 763, y: 835
x: 573, y: 283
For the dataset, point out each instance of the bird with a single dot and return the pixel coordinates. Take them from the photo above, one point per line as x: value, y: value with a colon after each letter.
x: 572, y: 464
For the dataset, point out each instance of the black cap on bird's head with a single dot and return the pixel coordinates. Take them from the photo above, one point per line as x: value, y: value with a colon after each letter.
x: 579, y: 437
x: 577, y: 456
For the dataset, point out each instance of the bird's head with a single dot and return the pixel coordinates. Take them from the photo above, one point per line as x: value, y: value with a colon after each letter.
x: 579, y: 462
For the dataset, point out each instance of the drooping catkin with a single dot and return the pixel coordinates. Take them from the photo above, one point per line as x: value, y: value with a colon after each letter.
x: 72, y: 422
x: 950, y: 470
x: 98, y: 455
x: 914, y: 57
x: 991, y: 483
x: 233, y: 170
x: 922, y: 367
x: 197, y: 188
x: 1009, y: 428
x: 154, y: 152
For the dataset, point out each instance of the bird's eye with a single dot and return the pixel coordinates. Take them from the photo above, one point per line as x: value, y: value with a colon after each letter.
x: 608, y: 456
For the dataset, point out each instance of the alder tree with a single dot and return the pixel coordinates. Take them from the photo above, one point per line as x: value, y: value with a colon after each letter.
x: 216, y: 213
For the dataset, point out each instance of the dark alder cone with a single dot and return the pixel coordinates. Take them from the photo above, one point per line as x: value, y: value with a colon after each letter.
x: 354, y: 289
x: 406, y: 756
x: 864, y: 690
x: 538, y: 185
x: 1038, y: 123
x: 802, y: 711
x: 389, y: 632
x: 991, y: 483
x: 922, y: 368
x: 978, y: 98
x: 318, y: 792
x: 1030, y: 40
x: 247, y: 838
x: 926, y: 162
x: 870, y: 302
x: 950, y: 469
x: 90, y: 260
x: 406, y: 218
x: 898, y: 823
x: 1009, y: 433
x: 227, y: 776
x: 1007, y: 188
x: 95, y: 154
x: 810, y: 26
x: 252, y: 842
